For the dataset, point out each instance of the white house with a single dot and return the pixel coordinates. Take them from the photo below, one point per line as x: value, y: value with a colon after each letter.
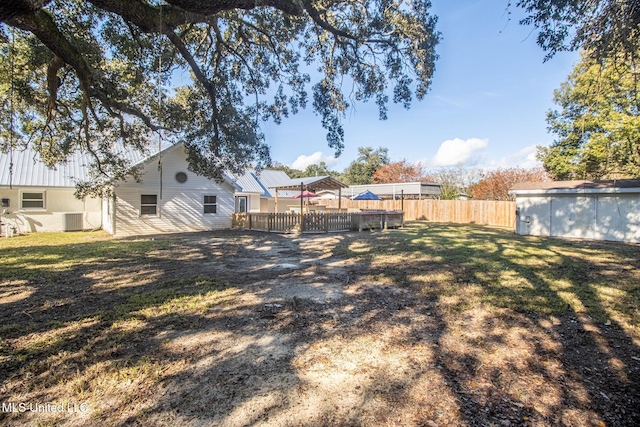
x: 600, y: 210
x: 169, y: 199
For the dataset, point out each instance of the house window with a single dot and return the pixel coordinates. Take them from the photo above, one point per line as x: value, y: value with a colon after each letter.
x: 210, y: 204
x: 32, y: 200
x: 149, y: 204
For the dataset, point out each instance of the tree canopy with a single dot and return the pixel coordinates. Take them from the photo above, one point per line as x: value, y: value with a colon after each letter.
x: 495, y: 185
x: 603, y: 27
x: 361, y: 170
x: 98, y: 75
x: 400, y: 171
x: 597, y: 125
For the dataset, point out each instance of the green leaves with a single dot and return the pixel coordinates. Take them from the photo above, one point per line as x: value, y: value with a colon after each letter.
x: 598, y: 126
x: 100, y: 75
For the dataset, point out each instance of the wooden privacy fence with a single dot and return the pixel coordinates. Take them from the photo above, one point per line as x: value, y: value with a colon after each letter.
x: 484, y: 212
x: 316, y: 222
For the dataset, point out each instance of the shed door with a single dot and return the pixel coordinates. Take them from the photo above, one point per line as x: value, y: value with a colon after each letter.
x: 573, y: 216
x: 619, y: 218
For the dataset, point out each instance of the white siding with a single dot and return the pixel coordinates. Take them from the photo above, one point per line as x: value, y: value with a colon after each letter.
x: 57, y: 202
x: 618, y: 218
x: 254, y: 203
x: 180, y: 206
x: 573, y: 216
x: 602, y: 216
x: 534, y: 218
x: 108, y: 215
x: 268, y: 205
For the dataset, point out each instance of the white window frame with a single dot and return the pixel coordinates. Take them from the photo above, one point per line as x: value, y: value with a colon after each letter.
x: 33, y: 208
x: 144, y: 205
x: 206, y: 204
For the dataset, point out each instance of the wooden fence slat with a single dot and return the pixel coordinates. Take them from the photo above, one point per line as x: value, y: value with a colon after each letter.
x: 486, y: 212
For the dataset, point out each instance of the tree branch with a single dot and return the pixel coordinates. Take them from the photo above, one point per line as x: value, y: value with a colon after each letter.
x: 45, y: 29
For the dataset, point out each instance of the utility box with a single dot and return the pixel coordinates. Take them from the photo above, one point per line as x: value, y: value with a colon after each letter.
x: 72, y: 222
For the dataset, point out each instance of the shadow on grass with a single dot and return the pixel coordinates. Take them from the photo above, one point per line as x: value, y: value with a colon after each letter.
x: 581, y: 298
x: 439, y: 324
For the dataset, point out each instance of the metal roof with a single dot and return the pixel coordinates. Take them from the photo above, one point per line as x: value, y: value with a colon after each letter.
x: 604, y: 186
x: 417, y: 188
x: 247, y: 182
x: 29, y: 170
x: 270, y: 179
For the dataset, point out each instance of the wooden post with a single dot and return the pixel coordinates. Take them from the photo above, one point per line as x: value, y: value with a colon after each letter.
x: 326, y: 222
x: 301, y: 198
x: 249, y: 218
x: 339, y: 199
x: 276, y: 201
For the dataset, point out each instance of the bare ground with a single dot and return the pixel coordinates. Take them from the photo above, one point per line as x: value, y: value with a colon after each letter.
x: 297, y: 331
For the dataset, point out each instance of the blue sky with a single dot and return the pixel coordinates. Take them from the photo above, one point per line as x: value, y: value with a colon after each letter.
x: 486, y: 107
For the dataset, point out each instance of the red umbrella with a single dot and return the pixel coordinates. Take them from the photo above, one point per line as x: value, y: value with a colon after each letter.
x: 305, y: 194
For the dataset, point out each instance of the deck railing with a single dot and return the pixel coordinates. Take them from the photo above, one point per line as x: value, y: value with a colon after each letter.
x: 316, y: 222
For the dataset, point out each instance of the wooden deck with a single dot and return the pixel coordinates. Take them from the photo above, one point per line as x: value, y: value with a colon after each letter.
x: 317, y: 222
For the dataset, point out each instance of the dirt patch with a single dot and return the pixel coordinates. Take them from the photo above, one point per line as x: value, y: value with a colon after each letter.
x: 237, y: 329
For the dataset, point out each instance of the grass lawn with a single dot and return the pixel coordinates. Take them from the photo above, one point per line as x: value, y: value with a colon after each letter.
x: 430, y: 325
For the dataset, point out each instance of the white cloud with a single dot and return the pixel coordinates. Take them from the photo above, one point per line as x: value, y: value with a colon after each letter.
x: 303, y: 161
x: 525, y: 158
x: 458, y: 152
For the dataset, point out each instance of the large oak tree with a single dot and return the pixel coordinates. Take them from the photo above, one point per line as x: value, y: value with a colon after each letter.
x: 99, y: 76
x: 603, y: 27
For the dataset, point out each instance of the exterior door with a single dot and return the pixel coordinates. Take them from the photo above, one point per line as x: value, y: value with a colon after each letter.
x: 241, y: 204
x: 573, y: 216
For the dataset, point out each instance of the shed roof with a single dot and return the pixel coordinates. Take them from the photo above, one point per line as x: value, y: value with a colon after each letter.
x: 603, y: 186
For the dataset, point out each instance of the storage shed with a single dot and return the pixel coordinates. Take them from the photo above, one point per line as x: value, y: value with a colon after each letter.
x: 599, y: 210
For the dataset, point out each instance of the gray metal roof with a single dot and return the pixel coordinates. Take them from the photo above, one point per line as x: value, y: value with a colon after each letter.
x: 29, y: 170
x: 270, y: 179
x: 409, y: 188
x: 604, y: 186
x: 247, y: 182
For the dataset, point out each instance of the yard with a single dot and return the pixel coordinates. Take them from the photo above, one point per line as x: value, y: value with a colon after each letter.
x: 430, y: 325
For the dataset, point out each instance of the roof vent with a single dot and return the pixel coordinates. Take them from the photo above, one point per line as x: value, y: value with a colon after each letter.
x: 181, y: 177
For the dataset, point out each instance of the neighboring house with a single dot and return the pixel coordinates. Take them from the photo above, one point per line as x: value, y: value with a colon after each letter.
x: 169, y: 199
x: 36, y: 198
x: 600, y: 210
x: 408, y: 190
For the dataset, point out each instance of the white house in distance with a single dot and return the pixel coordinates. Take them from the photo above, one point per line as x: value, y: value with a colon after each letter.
x: 408, y: 190
x: 169, y: 199
x: 599, y: 210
